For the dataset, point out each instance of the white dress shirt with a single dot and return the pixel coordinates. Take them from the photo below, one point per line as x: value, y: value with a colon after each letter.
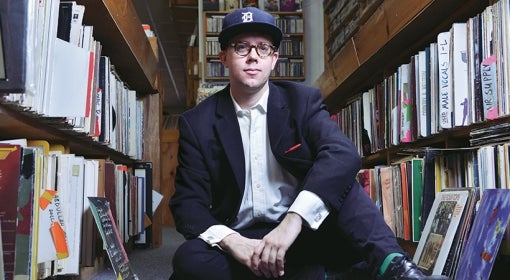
x: 270, y: 191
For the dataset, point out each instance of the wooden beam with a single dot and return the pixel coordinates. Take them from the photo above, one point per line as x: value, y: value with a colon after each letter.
x: 124, y: 41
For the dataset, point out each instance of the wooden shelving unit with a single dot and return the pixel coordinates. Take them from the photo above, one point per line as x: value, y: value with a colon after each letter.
x: 118, y: 28
x: 395, y: 31
x: 19, y: 123
x: 389, y: 37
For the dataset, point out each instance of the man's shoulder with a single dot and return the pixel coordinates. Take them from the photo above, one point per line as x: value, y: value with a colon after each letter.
x: 283, y: 84
x: 205, y: 107
x: 294, y: 90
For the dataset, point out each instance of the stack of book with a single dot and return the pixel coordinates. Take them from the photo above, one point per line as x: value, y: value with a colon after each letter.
x: 66, y: 75
x: 46, y: 218
x: 463, y: 233
x: 499, y: 133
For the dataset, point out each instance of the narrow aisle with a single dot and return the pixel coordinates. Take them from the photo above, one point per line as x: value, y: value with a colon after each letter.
x: 151, y: 264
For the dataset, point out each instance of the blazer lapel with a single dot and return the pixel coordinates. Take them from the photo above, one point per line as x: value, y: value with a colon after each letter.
x: 227, y: 129
x: 277, y: 116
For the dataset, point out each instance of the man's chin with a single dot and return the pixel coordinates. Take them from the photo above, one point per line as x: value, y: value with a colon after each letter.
x: 256, y: 80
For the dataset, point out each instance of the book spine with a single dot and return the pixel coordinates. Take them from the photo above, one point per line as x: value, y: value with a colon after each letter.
x: 434, y: 89
x: 459, y: 68
x: 405, y: 104
x: 475, y: 68
x: 421, y: 85
x: 416, y: 210
x: 405, y: 201
x: 388, y: 208
x: 445, y: 86
x: 489, y: 90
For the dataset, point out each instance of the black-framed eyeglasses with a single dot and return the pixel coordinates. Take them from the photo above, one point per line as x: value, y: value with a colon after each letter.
x: 244, y: 48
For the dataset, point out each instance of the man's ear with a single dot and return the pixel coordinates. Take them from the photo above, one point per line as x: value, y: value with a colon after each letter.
x: 223, y: 58
x: 275, y: 55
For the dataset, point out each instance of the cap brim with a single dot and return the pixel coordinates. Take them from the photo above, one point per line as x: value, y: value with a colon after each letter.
x: 257, y: 27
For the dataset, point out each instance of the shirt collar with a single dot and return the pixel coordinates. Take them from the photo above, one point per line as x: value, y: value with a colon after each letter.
x: 261, y: 105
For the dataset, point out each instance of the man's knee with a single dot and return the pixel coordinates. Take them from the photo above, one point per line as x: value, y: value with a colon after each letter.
x: 194, y: 259
x: 190, y: 255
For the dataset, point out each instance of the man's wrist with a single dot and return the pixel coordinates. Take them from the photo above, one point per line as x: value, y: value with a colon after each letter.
x: 225, y: 243
x: 294, y: 218
x: 311, y: 208
x: 214, y: 234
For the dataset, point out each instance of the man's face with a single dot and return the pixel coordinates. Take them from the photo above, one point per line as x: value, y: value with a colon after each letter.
x: 251, y: 70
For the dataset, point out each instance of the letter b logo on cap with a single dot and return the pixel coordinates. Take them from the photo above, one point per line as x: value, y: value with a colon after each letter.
x: 247, y: 17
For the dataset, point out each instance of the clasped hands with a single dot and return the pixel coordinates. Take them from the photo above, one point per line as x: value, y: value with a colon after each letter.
x: 265, y: 257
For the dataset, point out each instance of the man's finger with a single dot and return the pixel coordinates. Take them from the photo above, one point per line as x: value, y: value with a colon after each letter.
x: 280, y: 262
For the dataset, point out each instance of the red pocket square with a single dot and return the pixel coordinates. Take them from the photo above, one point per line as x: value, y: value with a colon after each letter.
x: 292, y: 148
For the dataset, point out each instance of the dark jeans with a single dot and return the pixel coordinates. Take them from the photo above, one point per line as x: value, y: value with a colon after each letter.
x: 354, y: 241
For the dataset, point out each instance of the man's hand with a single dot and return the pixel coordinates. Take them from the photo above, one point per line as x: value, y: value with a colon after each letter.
x: 240, y: 247
x: 268, y: 259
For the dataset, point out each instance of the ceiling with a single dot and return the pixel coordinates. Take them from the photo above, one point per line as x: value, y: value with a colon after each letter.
x: 173, y: 21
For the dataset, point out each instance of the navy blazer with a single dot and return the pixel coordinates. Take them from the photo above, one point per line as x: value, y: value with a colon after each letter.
x: 210, y: 177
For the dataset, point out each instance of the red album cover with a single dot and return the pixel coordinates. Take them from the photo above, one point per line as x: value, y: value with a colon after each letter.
x: 10, y: 164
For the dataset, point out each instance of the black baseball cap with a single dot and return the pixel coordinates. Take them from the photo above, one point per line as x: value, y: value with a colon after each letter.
x: 249, y: 19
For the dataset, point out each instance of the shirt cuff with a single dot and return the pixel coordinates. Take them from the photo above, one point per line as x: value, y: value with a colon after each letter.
x: 214, y: 234
x: 311, y: 209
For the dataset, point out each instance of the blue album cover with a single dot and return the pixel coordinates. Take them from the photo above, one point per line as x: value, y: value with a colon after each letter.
x: 487, y: 232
